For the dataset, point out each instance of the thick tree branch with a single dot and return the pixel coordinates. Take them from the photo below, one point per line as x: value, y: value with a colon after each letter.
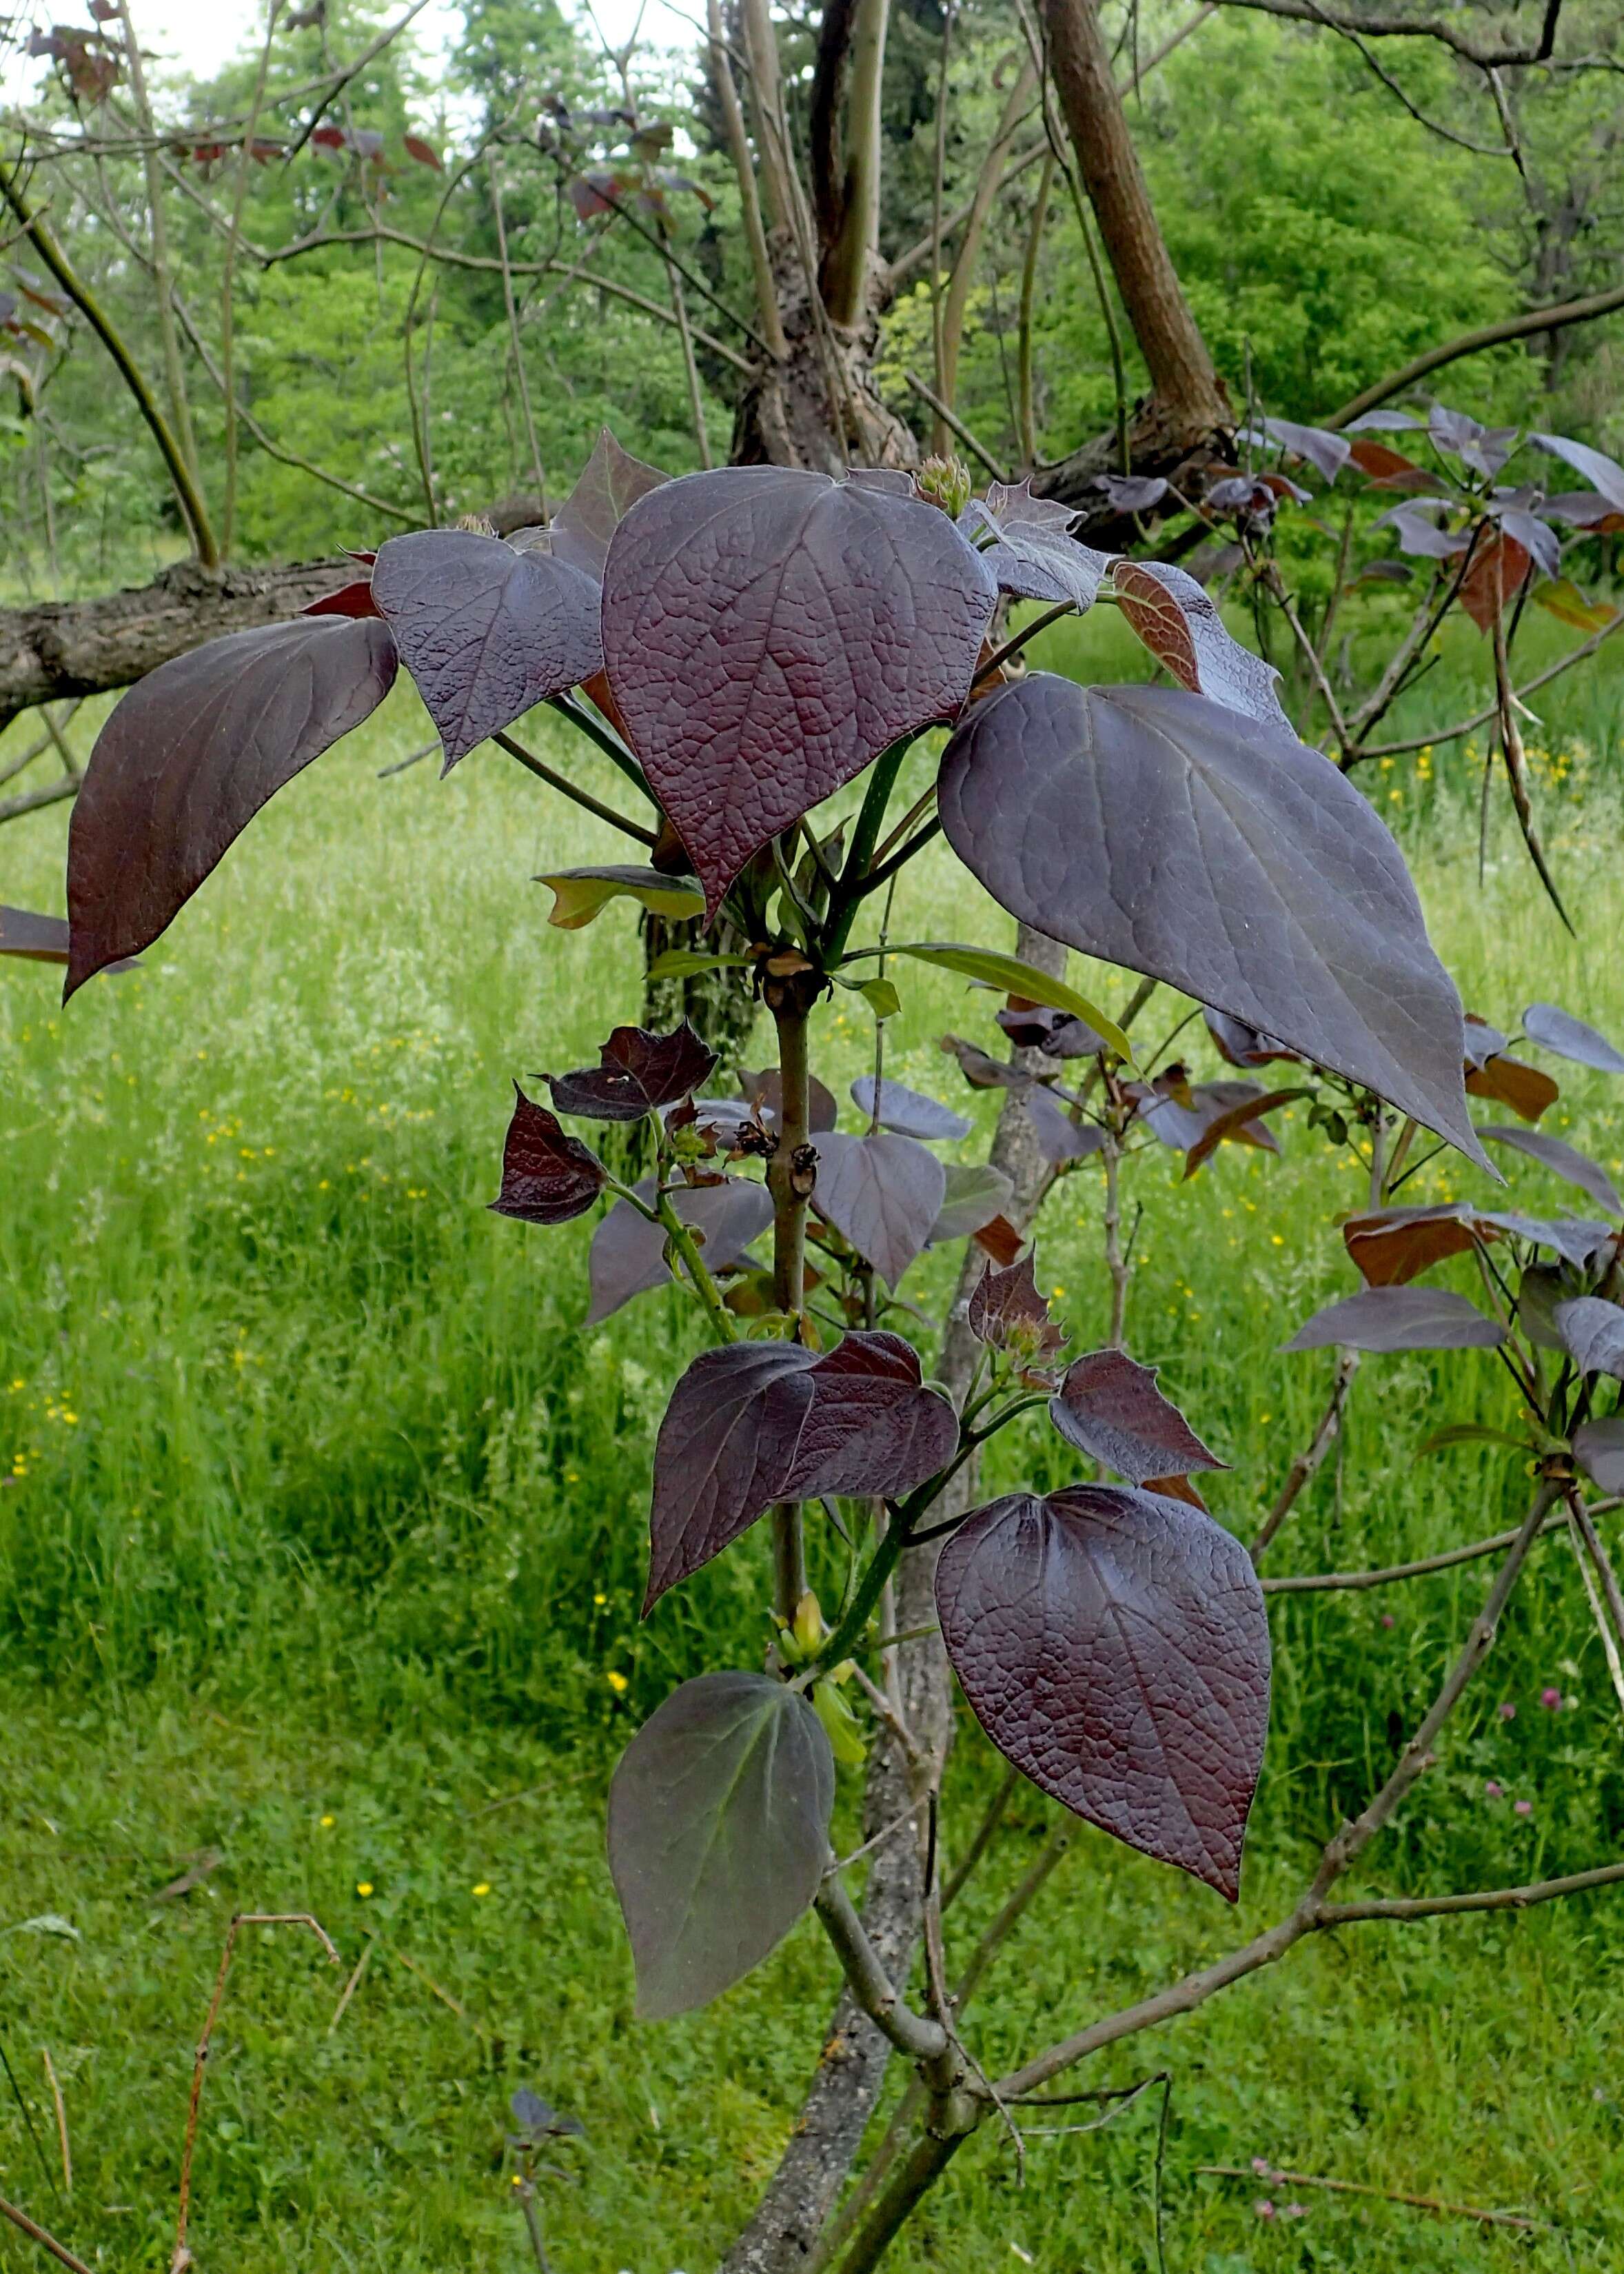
x: 1529, y: 324
x: 1411, y: 28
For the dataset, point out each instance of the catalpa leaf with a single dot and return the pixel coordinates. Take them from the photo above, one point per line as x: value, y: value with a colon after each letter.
x: 768, y: 632
x: 188, y: 758
x: 628, y: 1254
x: 1559, y: 1031
x: 907, y: 1113
x: 1114, y: 1645
x: 1326, y: 452
x: 763, y: 1094
x: 485, y: 632
x: 1109, y: 1407
x: 1494, y: 580
x: 1057, y: 1034
x: 1006, y: 1311
x: 42, y: 939
x: 1032, y: 555
x: 1060, y: 1139
x: 1398, y: 1319
x: 1242, y: 1122
x: 610, y: 484
x: 1182, y: 1125
x: 580, y: 894
x: 975, y: 1193
x: 1011, y: 976
x: 637, y: 1073
x: 1592, y: 1331
x: 547, y: 1175
x: 718, y: 1834
x: 1562, y: 1159
x: 1241, y: 1044
x: 1526, y: 1089
x: 1482, y: 1042
x: 883, y: 1195
x: 1604, y: 472
x: 1154, y: 830
x: 752, y: 1423
x: 1182, y: 627
x: 1388, y: 1247
x: 1598, y: 1448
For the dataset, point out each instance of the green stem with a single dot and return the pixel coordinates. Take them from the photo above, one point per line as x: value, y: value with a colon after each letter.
x: 568, y: 706
x: 682, y: 1239
x: 582, y: 797
x: 870, y: 819
x: 849, y: 1633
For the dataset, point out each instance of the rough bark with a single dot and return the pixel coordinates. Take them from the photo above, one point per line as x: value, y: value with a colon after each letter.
x: 817, y: 406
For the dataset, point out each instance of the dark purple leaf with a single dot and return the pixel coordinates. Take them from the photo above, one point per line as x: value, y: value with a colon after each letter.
x: 1598, y: 1447
x: 1181, y: 1120
x: 1593, y: 1332
x: 1568, y: 1037
x: 1060, y: 1139
x: 1388, y: 1247
x: 1325, y: 452
x: 1131, y: 493
x: 981, y: 1070
x: 629, y: 1252
x: 1057, y: 1034
x: 908, y: 1112
x: 1482, y: 1042
x: 637, y: 1073
x: 1398, y: 1319
x: 1183, y: 629
x: 718, y: 1834
x: 976, y: 1193
x: 41, y: 939
x: 1383, y: 422
x: 1526, y: 1089
x: 1154, y: 830
x: 1033, y: 556
x: 1583, y: 509
x: 763, y: 1092
x: 1114, y: 1645
x: 1241, y: 1122
x: 1563, y: 1161
x: 1007, y: 1312
x: 1494, y: 580
x: 768, y: 632
x: 1241, y: 1044
x: 610, y: 484
x: 882, y: 1193
x: 756, y: 1422
x: 486, y: 633
x: 1606, y: 473
x: 1579, y: 1240
x: 1390, y: 470
x: 188, y: 758
x: 353, y: 600
x: 1109, y: 1407
x: 1418, y: 532
x: 1483, y: 448
x: 1537, y: 539
x: 547, y: 1175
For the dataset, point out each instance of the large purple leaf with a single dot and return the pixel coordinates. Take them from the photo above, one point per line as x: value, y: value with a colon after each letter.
x: 627, y: 1255
x: 1559, y: 1031
x: 547, y: 1175
x: 1398, y: 1319
x: 639, y: 1072
x: 1595, y: 465
x: 609, y: 485
x: 1114, y: 1645
x: 1153, y: 829
x: 1182, y: 627
x: 190, y: 755
x: 1593, y: 1332
x: 718, y: 1834
x: 756, y: 1422
x: 1108, y: 1406
x: 1032, y: 555
x: 485, y: 632
x: 767, y: 632
x: 1562, y: 1159
x: 907, y: 1113
x: 882, y: 1193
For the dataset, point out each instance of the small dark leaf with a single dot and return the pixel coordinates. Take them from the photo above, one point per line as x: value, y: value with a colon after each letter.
x: 1482, y: 1042
x: 756, y: 1422
x: 908, y: 1112
x: 1182, y: 1124
x: 1593, y: 1332
x: 1060, y: 1139
x: 354, y: 599
x: 425, y: 153
x: 1524, y: 1088
x: 718, y: 1834
x: 1109, y: 1407
x: 486, y: 633
x: 981, y: 1070
x: 763, y: 1094
x: 1057, y: 1034
x: 999, y: 1238
x: 1114, y: 1645
x: 1007, y: 1312
x: 1032, y: 555
x: 547, y: 1175
x: 627, y: 1255
x: 1325, y: 452
x: 976, y: 1193
x: 1598, y: 1447
x: 1183, y: 629
x: 1483, y: 448
x: 768, y: 632
x: 1241, y: 1044
x: 187, y: 759
x: 1242, y: 1122
x: 1563, y: 1161
x: 1131, y: 493
x: 1277, y: 895
x: 39, y: 939
x: 638, y: 1073
x: 882, y: 1193
x: 1398, y: 1319
x: 1390, y: 470
x: 1419, y: 533
x: 1568, y: 1037
x: 610, y: 484
x: 538, y: 2121
x: 1494, y: 581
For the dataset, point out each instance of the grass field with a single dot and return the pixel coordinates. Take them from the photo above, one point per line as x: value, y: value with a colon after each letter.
x: 322, y: 1546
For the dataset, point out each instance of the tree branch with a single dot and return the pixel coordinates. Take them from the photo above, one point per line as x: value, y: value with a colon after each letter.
x: 1528, y: 324
x: 911, y: 2034
x: 1403, y: 27
x: 1487, y: 1899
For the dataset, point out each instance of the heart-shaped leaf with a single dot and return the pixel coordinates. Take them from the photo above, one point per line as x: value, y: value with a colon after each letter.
x: 1007, y: 1312
x: 1154, y: 830
x: 763, y: 1094
x: 188, y: 758
x: 609, y: 485
x: 547, y: 1175
x: 580, y: 894
x: 1182, y: 627
x: 628, y: 1254
x: 1114, y: 1645
x: 1033, y: 554
x: 882, y: 1193
x: 1388, y: 1247
x: 1598, y: 1448
x: 975, y: 1193
x: 767, y: 632
x: 1398, y: 1319
x: 1559, y: 1031
x: 1593, y: 1332
x: 485, y: 632
x: 1109, y: 1407
x: 907, y: 1113
x: 1562, y: 1159
x: 718, y: 1834
x: 756, y: 1422
x: 637, y: 1073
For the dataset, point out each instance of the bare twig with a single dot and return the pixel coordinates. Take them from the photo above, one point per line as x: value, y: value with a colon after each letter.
x: 352, y: 1985
x: 1487, y: 1899
x: 62, y: 2122
x: 1307, y: 1466
x: 24, y: 2225
x: 950, y: 419
x: 1380, y: 2194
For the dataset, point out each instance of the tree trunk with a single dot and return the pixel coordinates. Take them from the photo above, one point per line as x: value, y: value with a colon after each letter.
x: 818, y: 406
